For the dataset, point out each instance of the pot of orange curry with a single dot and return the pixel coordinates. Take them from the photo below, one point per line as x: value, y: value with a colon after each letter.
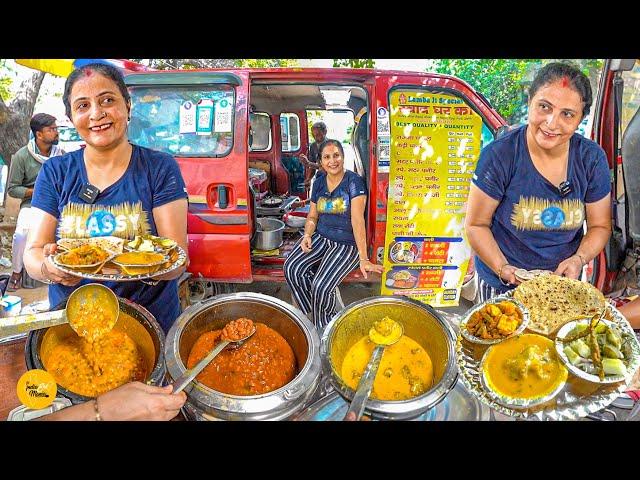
x: 133, y: 350
x: 414, y: 375
x: 271, y: 376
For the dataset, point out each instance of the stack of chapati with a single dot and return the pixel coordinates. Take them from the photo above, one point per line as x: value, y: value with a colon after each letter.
x: 110, y: 244
x: 553, y: 301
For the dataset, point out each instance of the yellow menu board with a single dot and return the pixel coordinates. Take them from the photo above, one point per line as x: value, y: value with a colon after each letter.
x: 435, y: 142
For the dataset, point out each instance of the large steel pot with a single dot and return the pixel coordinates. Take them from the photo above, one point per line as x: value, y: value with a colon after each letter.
x: 421, y: 323
x: 145, y: 331
x: 268, y: 233
x: 204, y: 403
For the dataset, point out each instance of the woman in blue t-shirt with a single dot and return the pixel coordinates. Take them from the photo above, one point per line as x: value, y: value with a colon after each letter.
x: 534, y: 188
x: 110, y: 187
x: 334, y: 240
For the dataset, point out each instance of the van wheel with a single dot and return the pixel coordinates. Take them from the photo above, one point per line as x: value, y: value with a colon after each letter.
x: 201, y: 289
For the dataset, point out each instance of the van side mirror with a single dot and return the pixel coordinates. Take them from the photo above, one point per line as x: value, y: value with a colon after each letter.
x: 622, y: 64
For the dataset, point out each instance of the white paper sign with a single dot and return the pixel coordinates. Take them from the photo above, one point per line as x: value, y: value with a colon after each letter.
x: 187, y: 117
x: 222, y: 116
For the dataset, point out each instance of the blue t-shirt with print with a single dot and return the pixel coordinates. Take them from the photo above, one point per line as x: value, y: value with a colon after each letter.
x: 334, y: 208
x: 124, y: 209
x: 534, y: 225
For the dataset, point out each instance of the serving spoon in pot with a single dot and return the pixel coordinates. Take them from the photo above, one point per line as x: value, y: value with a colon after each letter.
x: 234, y: 334
x: 83, y: 307
x: 384, y: 333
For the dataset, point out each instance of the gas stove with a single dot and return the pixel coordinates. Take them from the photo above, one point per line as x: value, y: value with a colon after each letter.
x: 277, y: 210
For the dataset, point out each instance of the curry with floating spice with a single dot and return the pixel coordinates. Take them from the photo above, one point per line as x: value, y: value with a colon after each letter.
x: 405, y: 370
x: 263, y: 363
x: 93, y: 368
x: 524, y: 367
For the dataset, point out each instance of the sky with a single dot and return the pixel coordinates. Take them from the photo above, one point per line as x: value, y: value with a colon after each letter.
x: 50, y: 98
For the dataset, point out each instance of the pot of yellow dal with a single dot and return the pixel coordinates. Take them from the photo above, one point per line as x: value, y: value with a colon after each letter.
x: 143, y: 333
x: 414, y: 375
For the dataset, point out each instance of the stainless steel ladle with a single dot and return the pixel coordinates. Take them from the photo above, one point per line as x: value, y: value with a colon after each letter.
x: 183, y: 380
x: 91, y: 292
x: 365, y: 384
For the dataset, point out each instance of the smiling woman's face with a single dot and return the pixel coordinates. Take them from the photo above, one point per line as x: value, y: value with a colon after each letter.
x: 555, y: 111
x: 332, y: 160
x: 99, y: 111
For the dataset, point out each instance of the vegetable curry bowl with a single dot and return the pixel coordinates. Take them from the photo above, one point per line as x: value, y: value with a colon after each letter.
x: 133, y: 350
x: 271, y: 376
x: 418, y: 371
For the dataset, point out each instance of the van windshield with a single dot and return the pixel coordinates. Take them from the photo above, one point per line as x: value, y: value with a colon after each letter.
x: 185, y: 121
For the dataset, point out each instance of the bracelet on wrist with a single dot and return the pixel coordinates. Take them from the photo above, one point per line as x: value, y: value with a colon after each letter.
x: 500, y: 275
x: 582, y: 261
x: 44, y: 272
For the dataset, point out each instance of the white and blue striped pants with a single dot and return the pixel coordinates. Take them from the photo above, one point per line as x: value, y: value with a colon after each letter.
x: 486, y: 291
x: 314, y: 276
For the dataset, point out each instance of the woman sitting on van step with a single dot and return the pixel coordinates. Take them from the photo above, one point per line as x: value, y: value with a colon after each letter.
x: 334, y: 240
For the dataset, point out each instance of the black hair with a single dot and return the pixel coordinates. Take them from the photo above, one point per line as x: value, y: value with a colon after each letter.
x: 553, y: 72
x: 320, y: 126
x: 331, y: 142
x: 41, y: 120
x: 103, y: 69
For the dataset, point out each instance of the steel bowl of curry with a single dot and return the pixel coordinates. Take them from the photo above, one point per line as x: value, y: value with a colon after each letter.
x: 523, y: 371
x: 133, y: 350
x: 271, y: 376
x: 136, y: 263
x: 414, y: 375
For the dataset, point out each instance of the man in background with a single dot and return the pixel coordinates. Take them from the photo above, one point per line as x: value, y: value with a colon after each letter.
x: 312, y: 162
x: 25, y: 166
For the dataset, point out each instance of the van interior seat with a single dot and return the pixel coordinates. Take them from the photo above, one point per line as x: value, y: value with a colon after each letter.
x: 262, y: 165
x: 296, y: 174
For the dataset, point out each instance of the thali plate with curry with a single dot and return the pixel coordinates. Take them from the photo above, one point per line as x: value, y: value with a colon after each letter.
x: 118, y: 267
x: 525, y: 376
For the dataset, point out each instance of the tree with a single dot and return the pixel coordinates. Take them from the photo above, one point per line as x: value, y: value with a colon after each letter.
x: 5, y: 81
x: 16, y: 114
x: 185, y: 63
x: 504, y: 82
x: 499, y: 80
x: 266, y: 62
x: 193, y: 63
x: 354, y: 62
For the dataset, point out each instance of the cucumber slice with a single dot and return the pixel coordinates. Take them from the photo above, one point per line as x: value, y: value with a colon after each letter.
x: 573, y: 357
x: 614, y: 366
x: 581, y: 348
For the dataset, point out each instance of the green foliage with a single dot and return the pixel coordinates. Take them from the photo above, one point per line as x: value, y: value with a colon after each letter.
x: 504, y: 82
x: 354, y: 62
x: 5, y: 80
x: 499, y: 80
x: 265, y: 62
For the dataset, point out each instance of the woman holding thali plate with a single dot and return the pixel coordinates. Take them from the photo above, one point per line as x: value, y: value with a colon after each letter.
x: 534, y: 188
x: 108, y: 188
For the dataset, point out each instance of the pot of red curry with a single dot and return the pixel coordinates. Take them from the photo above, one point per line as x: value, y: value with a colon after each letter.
x: 414, y: 375
x: 272, y: 376
x: 136, y: 350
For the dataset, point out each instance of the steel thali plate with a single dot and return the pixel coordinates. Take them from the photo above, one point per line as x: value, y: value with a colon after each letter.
x: 578, y: 398
x: 177, y: 258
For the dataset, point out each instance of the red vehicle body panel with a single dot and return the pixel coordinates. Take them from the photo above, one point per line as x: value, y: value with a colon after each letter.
x: 219, y: 238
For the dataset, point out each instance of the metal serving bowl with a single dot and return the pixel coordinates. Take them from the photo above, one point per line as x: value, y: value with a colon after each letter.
x: 145, y: 332
x: 204, y: 403
x: 420, y: 322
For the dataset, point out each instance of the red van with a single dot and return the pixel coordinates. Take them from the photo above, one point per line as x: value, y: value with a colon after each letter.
x: 245, y: 163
